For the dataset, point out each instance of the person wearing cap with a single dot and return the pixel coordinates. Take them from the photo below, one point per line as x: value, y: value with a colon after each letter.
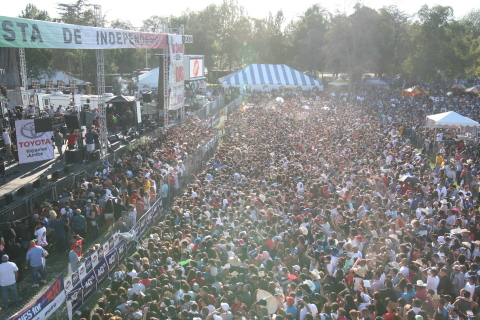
x: 290, y: 306
x: 8, y: 281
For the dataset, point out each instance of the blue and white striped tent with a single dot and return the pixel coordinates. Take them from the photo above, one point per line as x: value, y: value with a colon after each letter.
x: 269, y: 76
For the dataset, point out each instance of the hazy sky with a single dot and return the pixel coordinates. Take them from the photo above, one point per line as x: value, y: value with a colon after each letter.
x: 138, y: 10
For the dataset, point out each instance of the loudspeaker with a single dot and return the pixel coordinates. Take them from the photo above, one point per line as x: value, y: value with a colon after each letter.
x: 43, y: 125
x: 113, y: 139
x: 73, y: 121
x: 57, y: 174
x: 147, y: 97
x: 9, y: 198
x: 68, y: 169
x: 42, y: 180
x: 94, y: 156
x: 26, y: 189
x: 73, y: 156
x: 87, y: 118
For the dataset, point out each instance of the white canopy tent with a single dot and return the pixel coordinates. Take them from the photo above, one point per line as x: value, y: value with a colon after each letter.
x: 451, y: 120
x: 148, y: 81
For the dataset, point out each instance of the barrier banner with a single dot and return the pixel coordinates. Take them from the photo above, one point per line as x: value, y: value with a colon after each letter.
x: 101, y: 271
x: 112, y: 260
x: 122, y: 250
x: 45, y: 305
x: 89, y: 285
x: 33, y: 146
x: 176, y: 77
x: 26, y: 33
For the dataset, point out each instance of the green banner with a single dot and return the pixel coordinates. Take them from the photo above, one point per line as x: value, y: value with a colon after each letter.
x: 25, y: 33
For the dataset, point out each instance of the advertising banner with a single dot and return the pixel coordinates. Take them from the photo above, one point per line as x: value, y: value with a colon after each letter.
x: 196, y: 68
x: 176, y: 77
x: 33, y: 146
x: 45, y: 305
x: 26, y: 33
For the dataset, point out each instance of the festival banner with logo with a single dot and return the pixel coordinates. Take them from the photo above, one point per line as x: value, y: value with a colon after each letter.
x: 45, y: 305
x: 176, y: 77
x: 33, y: 146
x: 26, y: 33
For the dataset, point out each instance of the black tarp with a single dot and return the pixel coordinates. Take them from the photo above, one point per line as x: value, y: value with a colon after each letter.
x: 9, y: 73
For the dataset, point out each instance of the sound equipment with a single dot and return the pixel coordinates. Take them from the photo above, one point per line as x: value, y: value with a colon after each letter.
x: 26, y: 189
x: 42, y: 180
x: 57, y: 174
x: 94, y: 156
x: 73, y: 121
x: 113, y: 139
x: 73, y: 156
x: 9, y: 198
x: 147, y: 97
x: 43, y: 125
x: 87, y: 118
x: 68, y: 169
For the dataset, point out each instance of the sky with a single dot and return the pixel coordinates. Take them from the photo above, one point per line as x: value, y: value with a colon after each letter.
x: 139, y: 10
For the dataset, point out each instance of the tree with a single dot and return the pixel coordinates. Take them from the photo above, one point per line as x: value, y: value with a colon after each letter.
x: 38, y: 60
x: 352, y: 43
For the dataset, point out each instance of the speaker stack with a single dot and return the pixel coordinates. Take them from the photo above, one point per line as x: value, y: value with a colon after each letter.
x: 24, y: 190
x: 57, y: 174
x: 72, y: 121
x: 73, y: 156
x: 41, y: 181
x: 68, y: 169
x: 94, y: 156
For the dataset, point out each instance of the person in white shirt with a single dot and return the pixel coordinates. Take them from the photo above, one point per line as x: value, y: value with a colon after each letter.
x: 307, y: 307
x: 432, y: 279
x: 41, y: 234
x: 8, y: 281
x: 8, y: 143
x: 136, y: 287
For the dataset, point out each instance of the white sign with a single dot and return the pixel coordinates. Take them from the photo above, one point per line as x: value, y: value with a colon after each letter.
x: 33, y: 146
x: 176, y: 73
x: 196, y: 68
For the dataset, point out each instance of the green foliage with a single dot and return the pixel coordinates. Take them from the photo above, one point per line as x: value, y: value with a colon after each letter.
x: 430, y: 45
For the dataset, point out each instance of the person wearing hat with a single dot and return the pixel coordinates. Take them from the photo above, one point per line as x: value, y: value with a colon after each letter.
x: 8, y: 281
x: 290, y: 306
x: 421, y: 290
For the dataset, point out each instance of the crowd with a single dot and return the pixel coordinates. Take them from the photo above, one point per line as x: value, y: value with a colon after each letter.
x: 305, y: 213
x: 113, y: 196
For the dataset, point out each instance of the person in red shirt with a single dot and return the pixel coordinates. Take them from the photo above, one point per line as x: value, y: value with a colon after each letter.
x: 198, y: 279
x: 72, y: 140
x: 237, y: 304
x: 76, y: 240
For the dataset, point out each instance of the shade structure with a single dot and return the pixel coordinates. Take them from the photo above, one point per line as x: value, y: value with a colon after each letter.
x: 457, y: 87
x: 450, y: 119
x: 268, y: 77
x: 121, y: 98
x: 148, y: 81
x: 373, y: 82
x: 474, y: 89
x: 338, y: 83
x: 413, y: 91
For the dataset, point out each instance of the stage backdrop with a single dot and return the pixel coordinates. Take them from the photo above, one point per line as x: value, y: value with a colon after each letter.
x: 33, y: 146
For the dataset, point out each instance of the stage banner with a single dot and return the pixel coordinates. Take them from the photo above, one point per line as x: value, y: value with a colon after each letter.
x: 26, y: 33
x: 176, y: 73
x: 45, y: 305
x: 33, y: 146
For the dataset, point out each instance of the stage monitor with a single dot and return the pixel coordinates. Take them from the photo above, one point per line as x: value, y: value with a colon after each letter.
x: 43, y: 125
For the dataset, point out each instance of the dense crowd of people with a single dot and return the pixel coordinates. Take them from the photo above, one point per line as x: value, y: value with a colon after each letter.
x: 115, y: 195
x: 316, y: 208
